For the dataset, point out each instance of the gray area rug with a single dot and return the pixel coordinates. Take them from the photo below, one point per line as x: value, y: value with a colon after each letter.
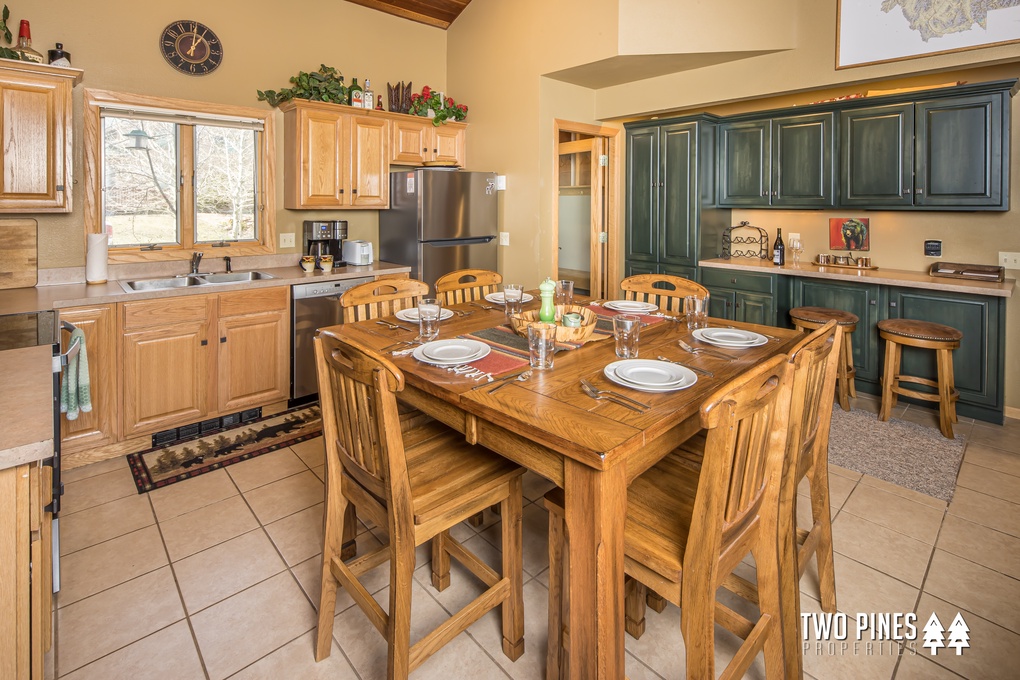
x: 900, y: 452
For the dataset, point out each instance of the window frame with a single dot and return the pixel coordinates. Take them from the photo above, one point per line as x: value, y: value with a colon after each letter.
x: 265, y: 173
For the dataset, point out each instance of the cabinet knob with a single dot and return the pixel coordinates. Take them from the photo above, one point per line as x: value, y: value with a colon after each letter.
x: 764, y: 193
x: 775, y: 193
x: 892, y: 304
x: 918, y: 191
x: 733, y: 280
x: 728, y: 303
x: 906, y: 192
x: 59, y: 187
x: 204, y: 343
x: 435, y: 151
x: 872, y: 302
x: 354, y: 191
x: 222, y: 340
x: 424, y: 149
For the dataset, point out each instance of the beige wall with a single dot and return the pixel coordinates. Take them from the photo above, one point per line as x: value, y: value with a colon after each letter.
x: 115, y: 42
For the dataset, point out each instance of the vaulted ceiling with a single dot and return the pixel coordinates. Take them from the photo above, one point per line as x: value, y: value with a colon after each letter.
x: 439, y: 13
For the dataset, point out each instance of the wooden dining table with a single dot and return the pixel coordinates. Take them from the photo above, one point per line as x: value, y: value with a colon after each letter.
x: 591, y: 448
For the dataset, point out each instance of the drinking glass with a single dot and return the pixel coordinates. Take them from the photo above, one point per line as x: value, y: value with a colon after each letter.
x: 564, y: 294
x: 513, y: 294
x: 696, y: 312
x: 541, y: 345
x: 796, y: 247
x: 626, y: 329
x: 429, y: 310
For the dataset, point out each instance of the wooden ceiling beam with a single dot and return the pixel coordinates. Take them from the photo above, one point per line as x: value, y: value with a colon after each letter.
x: 438, y: 13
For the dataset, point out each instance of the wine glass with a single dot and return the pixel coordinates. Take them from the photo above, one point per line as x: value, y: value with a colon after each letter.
x: 796, y: 248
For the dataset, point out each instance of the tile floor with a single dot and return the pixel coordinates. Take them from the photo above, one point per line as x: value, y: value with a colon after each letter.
x: 216, y: 577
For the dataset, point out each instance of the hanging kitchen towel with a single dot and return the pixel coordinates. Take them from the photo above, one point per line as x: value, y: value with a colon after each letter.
x: 75, y: 387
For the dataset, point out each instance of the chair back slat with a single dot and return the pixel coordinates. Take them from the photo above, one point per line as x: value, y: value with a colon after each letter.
x: 377, y: 299
x: 467, y: 285
x: 665, y: 290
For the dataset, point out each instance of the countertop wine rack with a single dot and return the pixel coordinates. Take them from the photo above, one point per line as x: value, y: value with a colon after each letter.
x: 750, y: 241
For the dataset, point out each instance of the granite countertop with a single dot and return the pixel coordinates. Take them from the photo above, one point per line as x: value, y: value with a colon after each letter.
x: 18, y: 300
x: 888, y: 277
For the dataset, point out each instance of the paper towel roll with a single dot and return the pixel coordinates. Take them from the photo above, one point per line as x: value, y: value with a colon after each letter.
x: 95, y: 258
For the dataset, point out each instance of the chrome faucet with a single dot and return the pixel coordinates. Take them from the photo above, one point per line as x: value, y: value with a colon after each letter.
x: 226, y: 263
x: 196, y: 260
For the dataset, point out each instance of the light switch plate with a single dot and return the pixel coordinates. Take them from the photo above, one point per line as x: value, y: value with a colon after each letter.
x: 504, y: 238
x: 500, y: 182
x: 286, y: 240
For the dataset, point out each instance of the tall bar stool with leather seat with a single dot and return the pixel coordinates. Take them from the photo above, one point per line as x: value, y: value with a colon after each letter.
x: 417, y: 484
x: 925, y: 335
x: 813, y: 318
x: 467, y: 285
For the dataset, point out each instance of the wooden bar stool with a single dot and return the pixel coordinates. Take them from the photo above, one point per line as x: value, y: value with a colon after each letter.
x: 813, y: 318
x: 926, y: 335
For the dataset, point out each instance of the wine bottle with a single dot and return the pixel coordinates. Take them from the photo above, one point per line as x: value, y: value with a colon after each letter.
x: 24, y: 47
x: 355, y: 95
x: 779, y: 250
x: 368, y: 96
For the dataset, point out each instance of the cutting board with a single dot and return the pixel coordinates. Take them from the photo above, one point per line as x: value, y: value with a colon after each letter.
x: 18, y: 254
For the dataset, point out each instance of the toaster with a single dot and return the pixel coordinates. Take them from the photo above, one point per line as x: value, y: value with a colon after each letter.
x: 357, y: 252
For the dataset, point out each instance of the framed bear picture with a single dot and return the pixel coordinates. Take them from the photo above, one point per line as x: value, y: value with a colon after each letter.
x: 849, y: 233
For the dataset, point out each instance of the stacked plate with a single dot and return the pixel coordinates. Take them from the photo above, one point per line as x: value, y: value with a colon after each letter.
x: 650, y: 376
x: 412, y: 314
x: 630, y: 306
x: 732, y: 338
x: 450, y: 352
x: 498, y: 298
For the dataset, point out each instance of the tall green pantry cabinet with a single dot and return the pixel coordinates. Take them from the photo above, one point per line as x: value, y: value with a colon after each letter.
x: 669, y: 194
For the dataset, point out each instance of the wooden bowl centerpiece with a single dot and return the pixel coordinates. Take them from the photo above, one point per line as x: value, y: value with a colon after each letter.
x: 578, y: 336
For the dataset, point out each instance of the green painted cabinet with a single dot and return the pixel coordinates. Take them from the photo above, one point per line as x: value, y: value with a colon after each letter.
x: 745, y: 163
x: 864, y: 300
x: 877, y: 158
x: 740, y: 296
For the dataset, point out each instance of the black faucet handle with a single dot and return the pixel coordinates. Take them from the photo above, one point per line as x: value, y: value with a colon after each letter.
x: 226, y: 262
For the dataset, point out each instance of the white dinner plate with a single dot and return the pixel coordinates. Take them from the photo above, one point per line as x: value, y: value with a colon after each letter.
x: 412, y: 314
x: 632, y: 306
x: 451, y: 352
x: 732, y: 338
x: 498, y: 298
x: 649, y: 373
x: 689, y: 378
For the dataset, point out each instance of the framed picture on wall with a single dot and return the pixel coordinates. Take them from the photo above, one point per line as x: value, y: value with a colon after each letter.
x: 849, y: 233
x: 891, y: 30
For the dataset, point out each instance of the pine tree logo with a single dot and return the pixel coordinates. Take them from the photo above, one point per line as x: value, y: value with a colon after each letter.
x: 933, y: 634
x: 959, y: 634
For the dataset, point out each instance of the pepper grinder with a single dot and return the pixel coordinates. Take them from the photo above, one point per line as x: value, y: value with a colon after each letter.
x: 547, y: 313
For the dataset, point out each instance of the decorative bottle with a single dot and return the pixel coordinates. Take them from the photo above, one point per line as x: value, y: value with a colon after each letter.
x: 24, y: 46
x: 378, y: 103
x: 368, y: 96
x: 355, y: 95
x: 779, y: 250
x: 547, y: 312
x: 59, y: 57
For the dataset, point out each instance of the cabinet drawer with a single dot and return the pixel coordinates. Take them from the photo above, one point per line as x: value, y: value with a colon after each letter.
x: 254, y: 301
x: 165, y: 311
x: 727, y: 278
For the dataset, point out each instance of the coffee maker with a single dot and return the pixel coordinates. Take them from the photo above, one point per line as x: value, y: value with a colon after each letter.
x: 325, y: 238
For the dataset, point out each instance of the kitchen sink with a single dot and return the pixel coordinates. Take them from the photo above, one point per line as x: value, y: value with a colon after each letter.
x: 192, y: 280
x: 235, y: 277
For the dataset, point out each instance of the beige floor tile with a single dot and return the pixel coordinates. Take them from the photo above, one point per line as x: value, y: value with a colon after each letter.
x: 105, y: 565
x: 887, y: 551
x: 215, y: 574
x: 103, y: 623
x: 264, y: 469
x: 535, y: 485
x: 987, y: 547
x: 311, y: 451
x: 234, y: 633
x: 536, y: 538
x: 914, y: 666
x: 634, y: 668
x: 977, y: 589
x: 991, y: 482
x: 298, y: 536
x: 168, y: 654
x: 320, y: 472
x: 309, y: 574
x: 826, y: 658
x: 192, y: 494
x: 1006, y: 437
x: 207, y: 526
x: 488, y: 633
x: 92, y: 469
x: 285, y: 497
x: 986, y: 510
x: 464, y: 587
x: 103, y: 522
x: 910, y: 494
x: 994, y: 651
x: 844, y: 472
x: 93, y: 491
x: 296, y: 660
x: 895, y: 512
x: 840, y: 489
x: 861, y: 589
x: 996, y: 459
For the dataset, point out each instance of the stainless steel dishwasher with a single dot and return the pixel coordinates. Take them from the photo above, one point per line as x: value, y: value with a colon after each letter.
x: 313, y: 306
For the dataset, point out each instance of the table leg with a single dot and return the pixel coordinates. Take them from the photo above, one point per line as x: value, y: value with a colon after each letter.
x: 596, y: 509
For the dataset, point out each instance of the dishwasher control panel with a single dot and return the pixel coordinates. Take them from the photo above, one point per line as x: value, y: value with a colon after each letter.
x: 313, y: 290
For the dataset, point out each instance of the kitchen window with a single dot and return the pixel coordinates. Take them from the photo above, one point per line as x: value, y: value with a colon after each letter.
x: 170, y: 177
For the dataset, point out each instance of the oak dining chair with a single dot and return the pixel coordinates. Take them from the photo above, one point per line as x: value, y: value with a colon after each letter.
x: 663, y: 290
x: 689, y: 526
x: 377, y: 299
x: 417, y: 485
x: 467, y: 285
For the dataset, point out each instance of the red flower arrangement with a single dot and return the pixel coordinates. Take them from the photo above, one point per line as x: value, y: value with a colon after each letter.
x: 442, y: 109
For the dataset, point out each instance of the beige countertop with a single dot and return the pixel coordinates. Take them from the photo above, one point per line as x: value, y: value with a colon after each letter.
x: 17, y: 300
x: 887, y: 277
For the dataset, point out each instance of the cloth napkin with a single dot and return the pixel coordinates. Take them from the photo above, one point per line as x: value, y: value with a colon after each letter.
x: 604, y: 326
x: 75, y: 386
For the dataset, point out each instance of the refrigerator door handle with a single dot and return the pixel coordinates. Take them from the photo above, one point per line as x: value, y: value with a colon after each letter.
x: 455, y: 242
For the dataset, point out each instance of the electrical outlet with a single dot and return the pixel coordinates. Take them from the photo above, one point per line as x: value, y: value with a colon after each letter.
x: 286, y: 240
x: 504, y: 238
x: 1009, y: 260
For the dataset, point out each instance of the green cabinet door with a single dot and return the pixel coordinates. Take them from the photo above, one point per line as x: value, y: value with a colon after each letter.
x: 678, y: 200
x: 958, y: 152
x: 877, y: 156
x: 642, y: 194
x: 633, y: 268
x: 754, y: 308
x: 860, y: 299
x: 802, y: 161
x: 677, y: 270
x: 745, y: 157
x: 721, y: 303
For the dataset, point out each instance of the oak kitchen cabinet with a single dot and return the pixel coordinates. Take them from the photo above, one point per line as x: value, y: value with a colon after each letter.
x: 415, y: 141
x: 35, y: 137
x: 97, y: 427
x: 335, y: 156
x: 254, y: 348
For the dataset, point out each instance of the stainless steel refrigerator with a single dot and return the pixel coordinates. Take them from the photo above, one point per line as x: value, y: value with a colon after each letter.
x: 440, y: 221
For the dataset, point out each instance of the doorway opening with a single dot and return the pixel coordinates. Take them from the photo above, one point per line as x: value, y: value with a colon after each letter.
x: 584, y: 207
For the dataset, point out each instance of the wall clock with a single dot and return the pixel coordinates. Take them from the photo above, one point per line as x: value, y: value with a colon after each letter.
x: 191, y: 48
